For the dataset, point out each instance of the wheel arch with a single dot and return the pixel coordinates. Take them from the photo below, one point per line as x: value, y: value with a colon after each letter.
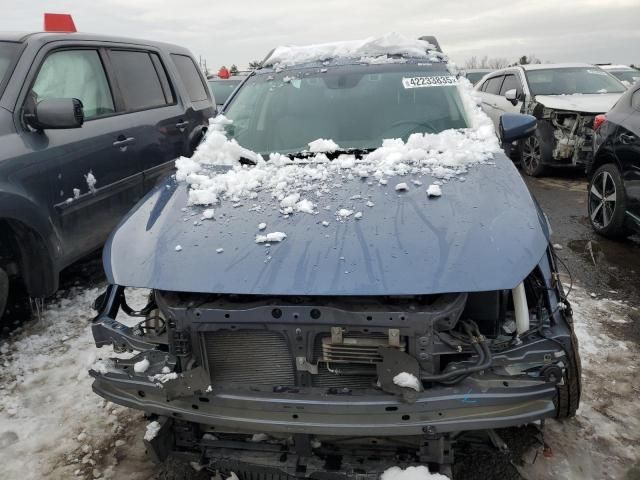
x: 28, y: 240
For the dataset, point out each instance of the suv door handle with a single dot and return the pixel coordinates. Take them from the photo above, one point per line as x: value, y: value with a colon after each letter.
x: 181, y: 125
x: 123, y: 142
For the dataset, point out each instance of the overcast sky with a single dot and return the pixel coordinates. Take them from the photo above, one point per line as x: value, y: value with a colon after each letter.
x: 238, y: 31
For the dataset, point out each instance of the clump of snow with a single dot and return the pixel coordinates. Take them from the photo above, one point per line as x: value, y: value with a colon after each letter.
x: 402, y: 187
x: 344, y: 213
x: 76, y: 193
x: 262, y: 226
x: 358, y: 215
x: 407, y: 380
x: 305, y: 206
x: 178, y: 248
x: 411, y: 473
x: 163, y: 377
x: 152, y: 431
x: 325, y: 223
x: 233, y: 476
x: 389, y: 44
x: 141, y: 366
x: 91, y: 182
x: 208, y: 213
x: 434, y: 190
x: 322, y: 145
x: 219, y: 250
x: 259, y: 437
x: 271, y: 237
x: 382, y: 59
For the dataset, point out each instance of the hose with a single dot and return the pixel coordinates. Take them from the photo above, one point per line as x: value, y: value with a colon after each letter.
x: 479, y: 344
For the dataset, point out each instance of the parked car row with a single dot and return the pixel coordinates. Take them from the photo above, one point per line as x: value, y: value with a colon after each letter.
x: 88, y: 125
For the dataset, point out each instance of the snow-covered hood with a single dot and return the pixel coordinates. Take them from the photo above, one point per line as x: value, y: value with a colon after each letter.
x: 583, y: 103
x: 484, y: 233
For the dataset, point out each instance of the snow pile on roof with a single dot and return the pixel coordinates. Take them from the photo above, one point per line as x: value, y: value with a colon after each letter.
x: 407, y: 380
x: 292, y: 182
x: 389, y: 44
x: 411, y: 473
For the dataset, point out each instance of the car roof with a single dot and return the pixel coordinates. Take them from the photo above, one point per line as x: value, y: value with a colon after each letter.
x: 46, y: 37
x: 616, y: 67
x: 545, y: 66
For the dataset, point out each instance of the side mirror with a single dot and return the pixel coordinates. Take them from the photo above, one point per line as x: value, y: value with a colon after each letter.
x: 56, y: 113
x: 514, y: 126
x: 512, y: 96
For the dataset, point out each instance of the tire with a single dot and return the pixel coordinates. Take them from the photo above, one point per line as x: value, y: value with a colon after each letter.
x: 607, y: 202
x: 4, y: 290
x: 535, y: 155
x: 569, y: 391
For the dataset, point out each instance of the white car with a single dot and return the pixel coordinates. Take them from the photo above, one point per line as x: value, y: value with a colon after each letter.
x: 624, y: 73
x: 565, y: 98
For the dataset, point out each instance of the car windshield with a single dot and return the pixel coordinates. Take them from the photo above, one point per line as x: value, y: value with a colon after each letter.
x: 567, y: 81
x: 631, y: 76
x: 356, y: 107
x: 221, y: 89
x: 8, y: 51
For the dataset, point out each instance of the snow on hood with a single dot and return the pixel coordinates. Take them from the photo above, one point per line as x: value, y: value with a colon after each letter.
x: 583, y: 103
x: 276, y: 222
x: 369, y: 48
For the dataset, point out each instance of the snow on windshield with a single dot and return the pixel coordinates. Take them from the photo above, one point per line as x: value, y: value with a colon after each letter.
x: 367, y: 49
x: 297, y: 184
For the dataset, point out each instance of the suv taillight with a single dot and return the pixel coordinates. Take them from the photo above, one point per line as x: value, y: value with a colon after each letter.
x: 599, y: 120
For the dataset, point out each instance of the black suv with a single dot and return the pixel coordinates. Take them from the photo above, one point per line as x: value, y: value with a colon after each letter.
x: 88, y: 124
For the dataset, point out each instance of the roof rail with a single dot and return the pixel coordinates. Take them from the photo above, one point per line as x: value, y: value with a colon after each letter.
x: 432, y: 40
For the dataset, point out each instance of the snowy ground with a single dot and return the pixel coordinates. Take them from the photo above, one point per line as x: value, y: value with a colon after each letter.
x: 53, y: 426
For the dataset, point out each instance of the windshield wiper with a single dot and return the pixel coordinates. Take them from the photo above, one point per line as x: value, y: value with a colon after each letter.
x: 358, y: 152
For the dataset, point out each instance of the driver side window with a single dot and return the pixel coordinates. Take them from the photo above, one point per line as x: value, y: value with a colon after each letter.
x: 75, y: 74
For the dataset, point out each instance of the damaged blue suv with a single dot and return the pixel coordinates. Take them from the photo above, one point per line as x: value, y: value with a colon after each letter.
x: 345, y: 276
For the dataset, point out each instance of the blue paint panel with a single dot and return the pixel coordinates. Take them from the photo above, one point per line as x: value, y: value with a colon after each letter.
x: 486, y: 233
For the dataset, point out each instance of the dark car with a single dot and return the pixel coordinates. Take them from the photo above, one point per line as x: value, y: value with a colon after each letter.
x: 614, y: 188
x: 357, y: 300
x: 88, y: 125
x: 222, y: 88
x: 474, y: 75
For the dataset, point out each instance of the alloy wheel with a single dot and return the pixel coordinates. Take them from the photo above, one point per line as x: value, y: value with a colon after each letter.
x: 531, y: 154
x: 602, y: 199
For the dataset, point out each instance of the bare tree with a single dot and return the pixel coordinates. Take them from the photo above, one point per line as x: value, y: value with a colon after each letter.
x: 496, y: 63
x: 485, y: 62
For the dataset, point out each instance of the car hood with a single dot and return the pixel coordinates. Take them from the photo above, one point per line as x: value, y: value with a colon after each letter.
x: 583, y: 103
x: 483, y: 233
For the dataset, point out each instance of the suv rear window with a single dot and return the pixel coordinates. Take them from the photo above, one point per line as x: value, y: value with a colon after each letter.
x: 190, y: 77
x: 138, y: 80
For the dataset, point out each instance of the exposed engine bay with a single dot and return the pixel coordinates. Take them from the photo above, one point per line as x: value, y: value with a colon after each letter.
x: 569, y: 134
x: 327, y: 371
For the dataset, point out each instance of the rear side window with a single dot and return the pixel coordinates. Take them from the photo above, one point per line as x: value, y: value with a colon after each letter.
x: 510, y: 83
x: 190, y: 77
x: 138, y: 80
x: 75, y: 74
x: 493, y: 85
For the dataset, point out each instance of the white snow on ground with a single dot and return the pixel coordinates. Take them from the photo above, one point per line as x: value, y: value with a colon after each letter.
x: 51, y: 422
x: 407, y: 380
x: 411, y: 473
x: 389, y: 44
x: 323, y: 145
x: 602, y: 441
